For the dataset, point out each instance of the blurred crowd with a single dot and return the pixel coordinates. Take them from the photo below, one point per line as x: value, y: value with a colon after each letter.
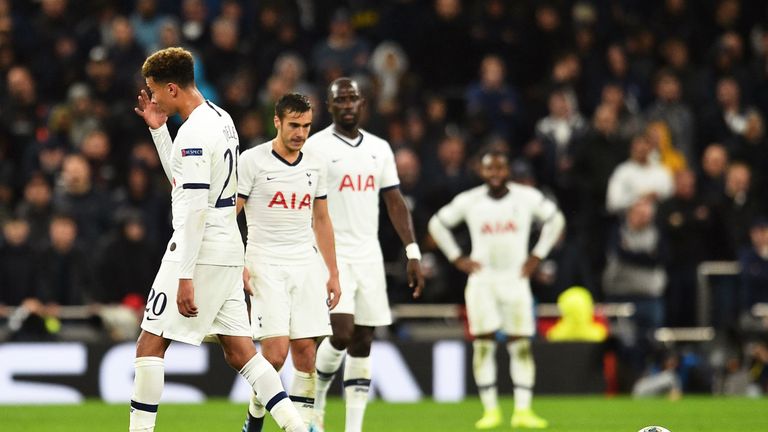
x: 644, y: 120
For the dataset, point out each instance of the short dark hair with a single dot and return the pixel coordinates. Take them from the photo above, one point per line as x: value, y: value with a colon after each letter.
x: 170, y: 65
x: 292, y: 103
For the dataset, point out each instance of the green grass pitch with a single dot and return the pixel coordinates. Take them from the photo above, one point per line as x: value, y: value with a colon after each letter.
x: 587, y: 414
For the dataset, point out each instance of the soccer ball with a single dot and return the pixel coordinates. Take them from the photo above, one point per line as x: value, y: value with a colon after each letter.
x: 653, y: 429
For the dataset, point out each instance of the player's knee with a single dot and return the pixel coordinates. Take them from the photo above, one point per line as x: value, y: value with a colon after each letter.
x: 360, y: 345
x: 341, y: 340
x: 275, y: 357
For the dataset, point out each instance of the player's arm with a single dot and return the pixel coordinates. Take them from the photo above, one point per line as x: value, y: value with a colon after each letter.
x: 440, y: 226
x: 403, y: 223
x: 156, y: 119
x: 551, y: 230
x: 196, y: 171
x: 321, y: 224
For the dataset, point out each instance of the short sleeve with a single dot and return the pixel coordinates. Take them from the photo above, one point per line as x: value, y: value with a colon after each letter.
x: 322, y: 182
x: 453, y: 213
x: 195, y: 162
x: 245, y: 174
x: 389, y: 178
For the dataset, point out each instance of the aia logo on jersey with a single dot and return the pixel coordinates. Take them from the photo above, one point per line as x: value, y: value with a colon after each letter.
x: 292, y: 202
x: 355, y: 183
x: 498, y: 227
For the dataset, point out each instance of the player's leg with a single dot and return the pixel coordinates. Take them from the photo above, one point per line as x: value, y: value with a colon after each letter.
x: 330, y: 354
x: 302, y: 391
x: 270, y: 315
x: 274, y: 350
x: 148, y: 381
x: 519, y: 325
x: 357, y: 377
x: 241, y: 355
x: 309, y: 320
x: 484, y: 320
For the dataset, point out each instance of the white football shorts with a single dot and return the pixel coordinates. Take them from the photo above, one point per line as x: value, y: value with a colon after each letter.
x: 364, y: 293
x: 499, y: 301
x: 219, y: 298
x: 289, y: 300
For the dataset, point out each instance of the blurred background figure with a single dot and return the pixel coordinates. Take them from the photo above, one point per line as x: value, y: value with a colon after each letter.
x: 577, y: 322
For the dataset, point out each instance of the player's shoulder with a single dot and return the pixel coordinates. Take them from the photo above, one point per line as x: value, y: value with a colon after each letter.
x: 256, y: 153
x: 374, y: 141
x: 525, y: 192
x: 312, y: 158
x: 473, y: 194
x: 320, y: 138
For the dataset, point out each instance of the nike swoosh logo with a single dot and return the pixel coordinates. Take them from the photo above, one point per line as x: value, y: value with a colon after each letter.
x: 270, y: 178
x: 335, y: 160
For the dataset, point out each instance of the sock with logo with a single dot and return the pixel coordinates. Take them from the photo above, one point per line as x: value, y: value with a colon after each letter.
x: 357, y: 384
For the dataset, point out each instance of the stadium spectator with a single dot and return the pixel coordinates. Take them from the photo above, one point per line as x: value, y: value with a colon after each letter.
x: 342, y: 53
x: 64, y: 273
x: 753, y: 260
x: 639, y: 177
x: 740, y: 206
x: 711, y: 177
x: 148, y: 24
x: 36, y: 208
x: 127, y: 262
x: 497, y: 102
x: 140, y: 195
x: 225, y: 56
x: 18, y: 267
x: 77, y: 196
x: 635, y: 273
x: 670, y: 109
x: 687, y: 223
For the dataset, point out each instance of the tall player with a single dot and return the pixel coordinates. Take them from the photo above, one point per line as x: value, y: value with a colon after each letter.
x: 283, y: 191
x: 361, y: 166
x: 499, y: 215
x: 199, y: 288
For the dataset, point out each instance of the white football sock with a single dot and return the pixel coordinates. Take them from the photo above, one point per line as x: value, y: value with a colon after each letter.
x: 484, y: 369
x: 255, y: 407
x: 303, y: 395
x: 269, y: 391
x: 523, y: 371
x: 147, y: 387
x: 357, y: 384
x: 327, y: 363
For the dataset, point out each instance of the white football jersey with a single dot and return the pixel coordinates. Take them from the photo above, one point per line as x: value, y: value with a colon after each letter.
x: 204, y: 156
x: 280, y: 197
x: 357, y: 171
x: 499, y: 228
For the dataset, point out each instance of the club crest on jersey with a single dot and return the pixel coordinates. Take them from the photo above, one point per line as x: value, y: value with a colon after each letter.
x: 355, y: 183
x: 498, y: 227
x: 309, y: 178
x: 291, y: 201
x: 191, y: 152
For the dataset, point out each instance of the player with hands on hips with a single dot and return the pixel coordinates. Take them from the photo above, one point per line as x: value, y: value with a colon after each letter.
x: 499, y: 215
